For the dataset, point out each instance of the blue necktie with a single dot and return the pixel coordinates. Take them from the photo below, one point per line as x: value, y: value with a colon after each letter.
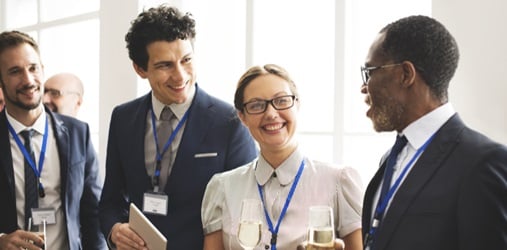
x: 31, y: 182
x: 391, y: 161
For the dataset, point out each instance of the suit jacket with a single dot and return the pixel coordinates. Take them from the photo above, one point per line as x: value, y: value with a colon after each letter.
x: 212, y: 126
x: 455, y: 196
x: 80, y: 189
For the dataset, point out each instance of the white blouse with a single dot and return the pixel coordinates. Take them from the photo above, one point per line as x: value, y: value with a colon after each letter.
x: 320, y: 184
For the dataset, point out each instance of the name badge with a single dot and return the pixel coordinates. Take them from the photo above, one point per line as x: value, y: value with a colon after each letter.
x: 43, y: 215
x: 155, y: 203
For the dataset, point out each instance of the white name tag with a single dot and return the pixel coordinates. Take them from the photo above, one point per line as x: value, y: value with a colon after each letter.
x: 155, y: 203
x: 40, y: 215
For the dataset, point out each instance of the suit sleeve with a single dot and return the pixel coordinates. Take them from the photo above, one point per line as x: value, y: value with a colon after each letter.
x: 92, y: 238
x: 113, y: 208
x: 482, y: 208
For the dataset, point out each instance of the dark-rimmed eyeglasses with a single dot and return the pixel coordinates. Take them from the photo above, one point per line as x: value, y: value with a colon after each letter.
x: 55, y: 93
x: 279, y: 103
x: 365, y: 71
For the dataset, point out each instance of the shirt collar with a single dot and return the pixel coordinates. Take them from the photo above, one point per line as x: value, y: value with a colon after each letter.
x: 178, y: 109
x: 38, y: 126
x: 285, y: 173
x: 419, y: 131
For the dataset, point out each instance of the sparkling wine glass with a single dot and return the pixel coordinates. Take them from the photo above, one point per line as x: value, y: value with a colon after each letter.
x: 249, y: 231
x: 40, y: 229
x: 321, y: 228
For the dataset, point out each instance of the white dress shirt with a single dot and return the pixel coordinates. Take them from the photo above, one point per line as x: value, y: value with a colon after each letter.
x: 50, y: 178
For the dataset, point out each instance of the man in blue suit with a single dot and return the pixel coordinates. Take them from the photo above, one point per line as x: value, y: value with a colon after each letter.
x: 446, y: 189
x: 166, y: 176
x: 65, y: 169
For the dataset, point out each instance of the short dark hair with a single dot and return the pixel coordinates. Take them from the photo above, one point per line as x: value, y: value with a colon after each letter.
x: 162, y: 23
x: 254, y: 72
x: 426, y: 43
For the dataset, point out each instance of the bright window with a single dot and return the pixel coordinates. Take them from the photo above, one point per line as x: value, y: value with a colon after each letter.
x: 67, y: 32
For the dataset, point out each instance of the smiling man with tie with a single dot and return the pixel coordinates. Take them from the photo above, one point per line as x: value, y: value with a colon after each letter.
x: 48, y: 166
x: 164, y: 147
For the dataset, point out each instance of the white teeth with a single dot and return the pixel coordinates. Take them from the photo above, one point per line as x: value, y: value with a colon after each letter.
x: 273, y: 127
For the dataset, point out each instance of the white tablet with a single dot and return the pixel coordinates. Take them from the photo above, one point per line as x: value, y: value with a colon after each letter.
x: 138, y: 222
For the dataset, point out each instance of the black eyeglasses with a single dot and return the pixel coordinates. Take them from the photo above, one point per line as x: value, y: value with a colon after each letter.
x: 279, y: 103
x: 55, y: 93
x: 365, y: 71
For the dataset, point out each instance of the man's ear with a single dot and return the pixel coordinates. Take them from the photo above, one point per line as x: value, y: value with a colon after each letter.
x: 409, y: 73
x: 79, y: 101
x: 139, y: 70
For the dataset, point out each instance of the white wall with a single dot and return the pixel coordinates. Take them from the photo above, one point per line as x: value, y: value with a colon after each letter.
x: 118, y: 81
x: 479, y: 89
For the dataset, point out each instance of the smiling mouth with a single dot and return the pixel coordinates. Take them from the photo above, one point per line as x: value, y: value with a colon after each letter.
x: 179, y: 87
x: 27, y: 90
x: 273, y: 127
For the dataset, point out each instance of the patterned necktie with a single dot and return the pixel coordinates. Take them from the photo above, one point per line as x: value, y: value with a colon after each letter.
x: 391, y: 161
x: 31, y: 182
x: 164, y: 131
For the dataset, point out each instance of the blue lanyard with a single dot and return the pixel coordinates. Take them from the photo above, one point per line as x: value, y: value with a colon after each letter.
x: 27, y: 155
x: 382, y: 204
x: 160, y: 154
x: 274, y: 231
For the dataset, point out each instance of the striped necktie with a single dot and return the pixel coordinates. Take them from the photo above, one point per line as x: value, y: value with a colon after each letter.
x: 31, y: 181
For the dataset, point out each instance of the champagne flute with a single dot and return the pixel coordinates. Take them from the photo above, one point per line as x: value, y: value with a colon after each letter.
x: 321, y: 228
x: 39, y: 230
x: 249, y: 231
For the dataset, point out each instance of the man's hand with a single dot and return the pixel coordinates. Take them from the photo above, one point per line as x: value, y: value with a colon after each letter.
x: 338, y: 245
x: 124, y: 238
x: 20, y: 239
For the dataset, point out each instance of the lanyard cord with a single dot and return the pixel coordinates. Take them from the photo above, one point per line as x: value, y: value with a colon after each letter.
x: 27, y: 155
x: 274, y: 231
x: 160, y: 154
x: 382, y: 204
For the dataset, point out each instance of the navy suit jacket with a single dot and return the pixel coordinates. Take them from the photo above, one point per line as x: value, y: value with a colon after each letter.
x: 455, y: 196
x: 212, y: 126
x: 80, y: 189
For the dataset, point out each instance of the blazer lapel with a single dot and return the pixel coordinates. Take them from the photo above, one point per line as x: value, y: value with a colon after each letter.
x: 61, y: 134
x: 200, y: 120
x: 138, y: 128
x: 430, y: 161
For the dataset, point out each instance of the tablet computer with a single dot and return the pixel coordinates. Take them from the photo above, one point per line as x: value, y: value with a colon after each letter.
x: 138, y: 222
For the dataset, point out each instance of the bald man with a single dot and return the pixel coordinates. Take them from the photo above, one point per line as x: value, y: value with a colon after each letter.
x: 63, y: 93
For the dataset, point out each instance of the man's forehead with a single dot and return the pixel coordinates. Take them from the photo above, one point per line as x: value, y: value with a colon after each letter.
x: 375, y: 52
x: 22, y: 55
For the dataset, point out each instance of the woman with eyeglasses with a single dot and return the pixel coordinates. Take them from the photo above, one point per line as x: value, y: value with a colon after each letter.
x: 285, y: 181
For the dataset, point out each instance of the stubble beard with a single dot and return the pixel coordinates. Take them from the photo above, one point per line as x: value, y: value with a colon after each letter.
x: 388, y: 117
